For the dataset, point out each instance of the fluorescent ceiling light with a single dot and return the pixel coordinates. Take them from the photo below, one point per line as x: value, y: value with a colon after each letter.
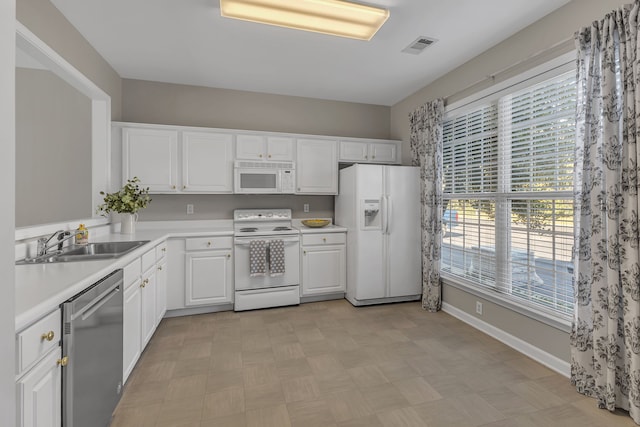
x: 338, y: 18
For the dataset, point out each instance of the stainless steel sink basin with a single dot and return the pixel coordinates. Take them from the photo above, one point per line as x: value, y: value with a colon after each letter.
x: 92, y: 251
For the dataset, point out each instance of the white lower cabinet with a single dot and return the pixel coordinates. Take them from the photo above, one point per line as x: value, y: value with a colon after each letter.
x: 148, y: 297
x: 161, y: 290
x: 323, y: 264
x: 200, y: 273
x: 39, y: 373
x: 208, y: 273
x: 144, y: 304
x: 132, y: 327
x: 40, y: 394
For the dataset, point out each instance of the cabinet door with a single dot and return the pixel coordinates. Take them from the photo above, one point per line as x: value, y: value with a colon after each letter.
x: 250, y: 147
x: 317, y: 166
x: 40, y: 394
x: 132, y: 324
x: 382, y: 153
x: 161, y: 290
x: 323, y: 269
x: 175, y: 274
x: 207, y: 162
x: 351, y: 151
x: 208, y: 278
x: 152, y: 156
x: 148, y: 307
x: 279, y: 148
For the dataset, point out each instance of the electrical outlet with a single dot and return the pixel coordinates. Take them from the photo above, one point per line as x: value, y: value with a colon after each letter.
x: 306, y: 207
x: 189, y: 209
x: 479, y: 307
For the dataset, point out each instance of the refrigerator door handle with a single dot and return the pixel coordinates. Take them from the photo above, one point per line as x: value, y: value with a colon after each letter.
x: 383, y: 210
x: 389, y: 214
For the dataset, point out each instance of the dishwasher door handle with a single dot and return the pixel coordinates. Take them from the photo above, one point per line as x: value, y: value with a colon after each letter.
x: 98, y: 302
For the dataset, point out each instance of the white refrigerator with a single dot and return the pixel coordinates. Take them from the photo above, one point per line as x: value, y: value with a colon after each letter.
x: 380, y: 206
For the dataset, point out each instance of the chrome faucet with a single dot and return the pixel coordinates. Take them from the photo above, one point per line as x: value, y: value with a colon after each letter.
x: 43, y: 242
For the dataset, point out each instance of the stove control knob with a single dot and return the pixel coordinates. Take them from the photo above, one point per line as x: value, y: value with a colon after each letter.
x: 269, y: 215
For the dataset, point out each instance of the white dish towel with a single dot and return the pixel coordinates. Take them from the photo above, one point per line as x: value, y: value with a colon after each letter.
x: 257, y: 258
x: 276, y: 257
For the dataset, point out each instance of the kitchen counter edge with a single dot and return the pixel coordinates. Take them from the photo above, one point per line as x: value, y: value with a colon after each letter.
x: 41, y: 288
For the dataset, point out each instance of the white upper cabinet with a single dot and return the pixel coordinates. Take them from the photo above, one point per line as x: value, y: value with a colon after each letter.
x: 317, y: 166
x: 152, y: 156
x: 369, y: 151
x: 207, y: 162
x: 280, y: 148
x: 180, y: 159
x: 383, y: 153
x: 354, y: 151
x: 251, y: 147
x: 260, y: 147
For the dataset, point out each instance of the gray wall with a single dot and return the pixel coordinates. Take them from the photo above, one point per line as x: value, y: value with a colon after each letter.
x: 523, y: 50
x: 58, y: 154
x: 43, y: 19
x: 535, y: 44
x: 165, y: 103
x: 171, y: 104
x: 53, y: 149
x: 221, y: 206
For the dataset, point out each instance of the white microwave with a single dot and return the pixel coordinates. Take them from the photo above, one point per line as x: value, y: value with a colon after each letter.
x: 264, y: 177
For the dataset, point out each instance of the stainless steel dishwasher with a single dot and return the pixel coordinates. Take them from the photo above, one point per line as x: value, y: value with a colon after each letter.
x: 92, y: 346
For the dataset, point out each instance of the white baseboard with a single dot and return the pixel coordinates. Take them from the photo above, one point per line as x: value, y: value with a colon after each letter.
x: 549, y: 360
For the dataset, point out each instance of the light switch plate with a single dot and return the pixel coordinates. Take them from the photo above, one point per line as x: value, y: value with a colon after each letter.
x: 189, y: 209
x: 306, y: 207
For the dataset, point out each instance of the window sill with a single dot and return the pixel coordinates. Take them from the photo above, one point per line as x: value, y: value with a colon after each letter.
x: 560, y: 323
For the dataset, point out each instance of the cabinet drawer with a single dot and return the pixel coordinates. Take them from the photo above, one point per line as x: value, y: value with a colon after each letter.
x: 148, y: 260
x: 161, y: 250
x: 201, y: 243
x: 35, y: 341
x: 132, y: 272
x: 324, y: 239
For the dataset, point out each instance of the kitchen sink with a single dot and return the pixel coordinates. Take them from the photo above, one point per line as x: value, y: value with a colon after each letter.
x: 92, y: 251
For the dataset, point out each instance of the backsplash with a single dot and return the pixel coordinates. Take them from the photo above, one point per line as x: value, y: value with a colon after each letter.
x: 165, y: 207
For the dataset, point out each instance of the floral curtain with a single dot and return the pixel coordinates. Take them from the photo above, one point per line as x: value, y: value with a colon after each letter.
x: 426, y: 152
x: 605, y: 337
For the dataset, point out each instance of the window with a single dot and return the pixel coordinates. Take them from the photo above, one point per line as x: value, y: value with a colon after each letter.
x: 508, y: 195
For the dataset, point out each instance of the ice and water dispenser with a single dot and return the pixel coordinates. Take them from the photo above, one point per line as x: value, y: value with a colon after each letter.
x: 370, y: 212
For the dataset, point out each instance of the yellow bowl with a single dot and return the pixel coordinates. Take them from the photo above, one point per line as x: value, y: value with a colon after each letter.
x: 316, y: 223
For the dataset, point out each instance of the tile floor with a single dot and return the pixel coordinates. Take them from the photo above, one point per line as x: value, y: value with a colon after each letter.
x: 330, y: 364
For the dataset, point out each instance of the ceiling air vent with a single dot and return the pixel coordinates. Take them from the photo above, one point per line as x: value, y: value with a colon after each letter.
x: 418, y: 45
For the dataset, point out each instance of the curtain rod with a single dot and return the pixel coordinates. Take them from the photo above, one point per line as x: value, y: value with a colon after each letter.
x: 556, y: 50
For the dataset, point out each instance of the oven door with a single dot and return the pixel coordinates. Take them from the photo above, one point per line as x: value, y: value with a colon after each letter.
x: 291, y: 276
x: 255, y: 181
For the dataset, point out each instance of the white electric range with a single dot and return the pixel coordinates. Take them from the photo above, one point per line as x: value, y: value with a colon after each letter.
x: 269, y: 289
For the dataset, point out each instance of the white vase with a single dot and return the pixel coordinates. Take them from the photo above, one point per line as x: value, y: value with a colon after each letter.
x: 128, y: 223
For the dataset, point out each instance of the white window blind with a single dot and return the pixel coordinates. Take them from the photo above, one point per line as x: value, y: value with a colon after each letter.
x: 508, y: 177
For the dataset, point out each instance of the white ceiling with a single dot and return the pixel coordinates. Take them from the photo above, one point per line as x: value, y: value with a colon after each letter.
x: 188, y: 42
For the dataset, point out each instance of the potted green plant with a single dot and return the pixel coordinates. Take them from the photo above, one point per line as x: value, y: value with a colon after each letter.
x: 126, y: 202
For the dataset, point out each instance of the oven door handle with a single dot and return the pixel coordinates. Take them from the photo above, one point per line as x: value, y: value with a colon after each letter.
x: 248, y: 242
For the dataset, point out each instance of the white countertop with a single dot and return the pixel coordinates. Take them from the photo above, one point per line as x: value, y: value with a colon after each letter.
x: 40, y: 288
x: 331, y: 228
